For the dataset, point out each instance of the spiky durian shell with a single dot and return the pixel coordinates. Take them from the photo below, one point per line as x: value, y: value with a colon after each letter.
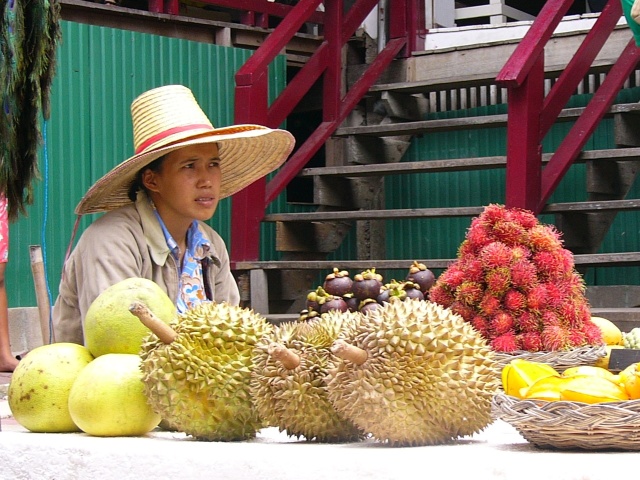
x: 199, y: 383
x: 296, y: 399
x: 428, y: 378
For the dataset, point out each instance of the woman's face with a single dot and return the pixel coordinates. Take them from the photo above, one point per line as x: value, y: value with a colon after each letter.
x: 186, y: 187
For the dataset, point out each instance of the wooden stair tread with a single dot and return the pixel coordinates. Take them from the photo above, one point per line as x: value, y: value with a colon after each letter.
x: 587, y: 260
x: 407, y: 213
x: 457, y: 164
x: 462, y: 123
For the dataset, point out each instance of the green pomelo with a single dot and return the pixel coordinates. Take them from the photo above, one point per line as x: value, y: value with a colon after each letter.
x: 39, y: 390
x: 107, y: 399
x: 109, y: 326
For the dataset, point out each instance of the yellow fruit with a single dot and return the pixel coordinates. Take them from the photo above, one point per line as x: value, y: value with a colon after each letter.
x: 547, y: 388
x: 611, y: 334
x: 603, y: 362
x: 109, y: 325
x: 630, y: 379
x: 590, y: 370
x: 39, y: 389
x: 520, y: 373
x: 592, y: 389
x: 107, y: 399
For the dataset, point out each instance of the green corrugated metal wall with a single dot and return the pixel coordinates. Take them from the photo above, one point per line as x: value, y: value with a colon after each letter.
x: 99, y: 72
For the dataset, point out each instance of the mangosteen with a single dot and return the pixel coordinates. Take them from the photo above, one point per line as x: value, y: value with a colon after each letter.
x: 332, y: 302
x: 367, y: 284
x: 352, y: 302
x: 413, y: 290
x: 306, y: 315
x: 393, y: 289
x: 337, y: 283
x: 420, y: 274
x: 316, y: 298
x: 368, y: 305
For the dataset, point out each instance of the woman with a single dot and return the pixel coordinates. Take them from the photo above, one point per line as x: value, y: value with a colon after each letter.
x: 157, y: 202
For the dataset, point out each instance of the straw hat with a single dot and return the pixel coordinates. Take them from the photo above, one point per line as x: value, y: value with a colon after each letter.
x: 168, y: 118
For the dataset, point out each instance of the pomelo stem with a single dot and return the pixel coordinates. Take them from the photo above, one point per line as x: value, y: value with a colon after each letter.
x: 349, y: 352
x: 286, y: 357
x: 163, y: 331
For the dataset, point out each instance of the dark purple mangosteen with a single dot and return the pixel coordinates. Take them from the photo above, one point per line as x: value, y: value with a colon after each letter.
x: 337, y: 283
x: 316, y: 298
x: 332, y: 302
x: 420, y: 274
x: 352, y: 302
x: 368, y: 305
x: 367, y: 284
x: 393, y: 289
x: 413, y: 290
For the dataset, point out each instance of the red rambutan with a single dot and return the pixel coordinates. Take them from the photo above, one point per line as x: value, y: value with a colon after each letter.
x: 493, y: 213
x: 467, y: 250
x: 495, y: 255
x: 555, y: 295
x: 501, y: 323
x: 570, y: 313
x: 527, y: 321
x: 576, y: 338
x: 441, y: 294
x: 469, y: 293
x: 537, y: 298
x: 544, y: 238
x: 554, y: 338
x: 473, y: 270
x: 482, y: 325
x: 453, y: 276
x: 524, y: 275
x: 478, y: 235
x: 592, y: 333
x: 509, y: 233
x: 505, y: 343
x: 489, y: 304
x: 548, y: 265
x: 498, y: 281
x: 526, y: 218
x: 465, y: 311
x: 531, y: 341
x: 514, y: 301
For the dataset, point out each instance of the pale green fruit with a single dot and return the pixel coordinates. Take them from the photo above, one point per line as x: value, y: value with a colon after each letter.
x: 109, y: 326
x: 107, y: 399
x: 38, y: 393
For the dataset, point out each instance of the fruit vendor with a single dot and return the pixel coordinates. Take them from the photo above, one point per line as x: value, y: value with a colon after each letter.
x: 157, y: 202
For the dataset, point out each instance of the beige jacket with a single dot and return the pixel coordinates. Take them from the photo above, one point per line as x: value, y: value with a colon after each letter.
x: 128, y: 242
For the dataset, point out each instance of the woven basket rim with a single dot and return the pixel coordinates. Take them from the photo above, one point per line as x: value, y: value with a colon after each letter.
x: 572, y: 425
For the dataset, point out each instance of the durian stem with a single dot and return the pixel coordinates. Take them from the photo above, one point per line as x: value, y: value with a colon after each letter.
x: 163, y: 331
x: 286, y: 357
x: 348, y: 352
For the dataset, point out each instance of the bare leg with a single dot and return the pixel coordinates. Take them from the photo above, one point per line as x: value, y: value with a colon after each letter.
x: 7, y: 361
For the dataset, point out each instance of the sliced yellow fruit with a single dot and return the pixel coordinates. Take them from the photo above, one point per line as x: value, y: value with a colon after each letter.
x: 590, y: 370
x: 630, y: 380
x: 547, y: 388
x: 611, y: 334
x: 592, y: 389
x: 520, y: 373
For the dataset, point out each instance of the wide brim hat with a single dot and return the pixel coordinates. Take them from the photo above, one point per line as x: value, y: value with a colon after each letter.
x: 168, y: 118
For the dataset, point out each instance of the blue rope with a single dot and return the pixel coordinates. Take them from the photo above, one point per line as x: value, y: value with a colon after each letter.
x: 44, y: 227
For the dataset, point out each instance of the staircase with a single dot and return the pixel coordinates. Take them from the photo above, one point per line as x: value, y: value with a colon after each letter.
x: 367, y: 150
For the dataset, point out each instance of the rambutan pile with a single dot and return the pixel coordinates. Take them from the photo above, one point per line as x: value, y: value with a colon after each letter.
x: 517, y: 285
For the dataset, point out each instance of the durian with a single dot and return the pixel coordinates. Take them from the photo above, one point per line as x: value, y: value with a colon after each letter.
x: 414, y: 373
x: 288, y: 380
x: 197, y: 371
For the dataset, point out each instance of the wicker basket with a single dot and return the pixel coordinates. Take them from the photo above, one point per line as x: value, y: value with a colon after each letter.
x: 572, y: 425
x: 560, y: 360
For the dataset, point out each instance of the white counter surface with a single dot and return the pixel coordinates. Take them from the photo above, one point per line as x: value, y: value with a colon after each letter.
x: 498, y: 452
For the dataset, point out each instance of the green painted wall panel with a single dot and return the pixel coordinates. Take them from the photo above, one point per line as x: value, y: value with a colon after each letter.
x: 99, y: 72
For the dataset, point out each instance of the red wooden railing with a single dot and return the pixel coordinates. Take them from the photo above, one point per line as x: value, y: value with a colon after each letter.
x: 248, y: 206
x: 531, y: 114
